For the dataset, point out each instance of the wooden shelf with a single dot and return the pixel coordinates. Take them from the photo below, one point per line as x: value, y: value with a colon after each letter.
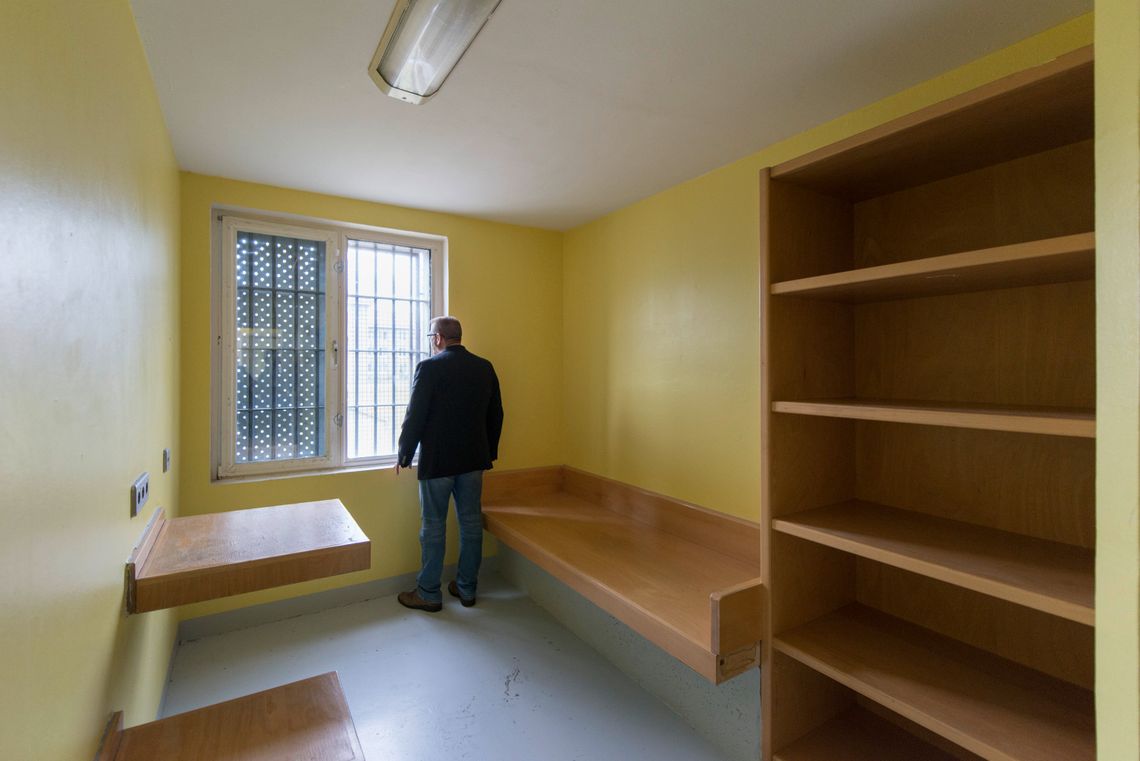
x: 1055, y: 260
x: 203, y: 557
x: 982, y: 637
x: 859, y: 735
x: 639, y: 562
x: 1029, y: 112
x: 1047, y: 576
x: 308, y: 719
x: 987, y: 705
x: 1041, y: 420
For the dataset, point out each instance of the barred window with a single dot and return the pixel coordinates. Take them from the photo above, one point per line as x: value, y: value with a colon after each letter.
x: 388, y: 288
x: 322, y: 330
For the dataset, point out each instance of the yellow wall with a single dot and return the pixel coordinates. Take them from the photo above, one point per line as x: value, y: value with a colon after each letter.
x: 505, y: 285
x: 88, y: 369
x: 661, y: 312
x: 1118, y: 377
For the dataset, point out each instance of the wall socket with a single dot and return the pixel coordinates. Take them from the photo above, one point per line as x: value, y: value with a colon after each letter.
x: 140, y: 490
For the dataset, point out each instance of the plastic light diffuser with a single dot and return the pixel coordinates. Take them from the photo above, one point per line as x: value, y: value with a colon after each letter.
x: 423, y: 42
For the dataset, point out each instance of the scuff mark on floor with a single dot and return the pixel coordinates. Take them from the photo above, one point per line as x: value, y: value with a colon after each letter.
x: 511, y: 677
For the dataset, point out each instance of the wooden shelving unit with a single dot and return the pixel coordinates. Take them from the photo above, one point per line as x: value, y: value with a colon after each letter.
x: 928, y: 437
x: 204, y: 557
x: 685, y: 578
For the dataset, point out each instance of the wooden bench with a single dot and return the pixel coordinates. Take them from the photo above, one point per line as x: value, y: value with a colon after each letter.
x: 203, y: 557
x: 308, y: 720
x: 685, y: 578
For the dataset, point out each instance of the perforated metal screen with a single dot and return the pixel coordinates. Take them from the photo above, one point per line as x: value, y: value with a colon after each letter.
x: 280, y: 348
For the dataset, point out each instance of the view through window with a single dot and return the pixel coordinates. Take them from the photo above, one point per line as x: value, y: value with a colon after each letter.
x: 388, y: 289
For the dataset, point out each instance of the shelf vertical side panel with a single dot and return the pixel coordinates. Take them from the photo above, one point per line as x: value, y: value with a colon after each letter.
x: 766, y: 281
x: 806, y: 353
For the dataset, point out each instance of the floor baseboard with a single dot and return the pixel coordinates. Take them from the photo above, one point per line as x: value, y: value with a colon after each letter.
x: 279, y: 610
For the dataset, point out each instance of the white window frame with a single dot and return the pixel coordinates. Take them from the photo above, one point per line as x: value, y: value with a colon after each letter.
x: 437, y: 297
x: 335, y: 235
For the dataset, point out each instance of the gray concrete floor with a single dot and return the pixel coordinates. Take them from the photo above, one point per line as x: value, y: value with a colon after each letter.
x: 502, y: 680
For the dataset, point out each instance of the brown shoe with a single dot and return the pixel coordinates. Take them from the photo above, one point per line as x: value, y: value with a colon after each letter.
x: 411, y: 599
x: 453, y: 590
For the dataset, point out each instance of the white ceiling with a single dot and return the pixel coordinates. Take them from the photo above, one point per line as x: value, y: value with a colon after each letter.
x: 560, y: 111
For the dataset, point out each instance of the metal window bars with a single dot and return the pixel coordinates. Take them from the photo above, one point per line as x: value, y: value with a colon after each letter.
x: 388, y: 297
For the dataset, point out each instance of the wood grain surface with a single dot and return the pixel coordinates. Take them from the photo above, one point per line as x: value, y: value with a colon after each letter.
x: 1048, y: 576
x: 988, y: 705
x: 1052, y: 260
x: 859, y: 735
x: 645, y: 562
x: 308, y: 719
x: 203, y: 557
x: 988, y: 417
x: 1024, y: 113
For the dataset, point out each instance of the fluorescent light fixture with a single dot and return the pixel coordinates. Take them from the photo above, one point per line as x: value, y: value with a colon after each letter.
x: 422, y: 43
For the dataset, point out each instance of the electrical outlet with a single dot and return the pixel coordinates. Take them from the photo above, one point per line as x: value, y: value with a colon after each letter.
x: 140, y: 490
x: 165, y: 460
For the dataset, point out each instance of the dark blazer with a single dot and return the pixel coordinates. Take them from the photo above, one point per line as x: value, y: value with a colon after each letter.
x: 455, y: 415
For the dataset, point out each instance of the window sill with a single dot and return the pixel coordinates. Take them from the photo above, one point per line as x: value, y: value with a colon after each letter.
x: 344, y: 469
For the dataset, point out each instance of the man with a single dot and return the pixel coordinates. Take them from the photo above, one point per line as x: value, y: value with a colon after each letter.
x: 455, y: 416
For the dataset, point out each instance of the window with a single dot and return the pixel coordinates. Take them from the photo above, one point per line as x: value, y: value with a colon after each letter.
x: 321, y: 330
x: 388, y: 289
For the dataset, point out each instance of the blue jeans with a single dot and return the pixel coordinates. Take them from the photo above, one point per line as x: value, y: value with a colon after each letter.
x: 434, y: 496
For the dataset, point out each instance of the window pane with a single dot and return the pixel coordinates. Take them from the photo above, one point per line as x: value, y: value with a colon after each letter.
x: 366, y: 378
x: 385, y: 310
x: 286, y: 265
x: 365, y: 283
x: 386, y: 435
x: 404, y: 273
x: 280, y: 323
x: 384, y: 275
x: 388, y: 299
x: 285, y: 320
x: 365, y: 336
x: 285, y: 434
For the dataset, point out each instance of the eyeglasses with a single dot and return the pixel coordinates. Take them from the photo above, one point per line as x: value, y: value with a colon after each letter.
x: 429, y: 335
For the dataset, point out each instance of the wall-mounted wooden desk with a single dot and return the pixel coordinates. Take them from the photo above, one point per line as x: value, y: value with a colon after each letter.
x: 308, y: 719
x: 203, y: 557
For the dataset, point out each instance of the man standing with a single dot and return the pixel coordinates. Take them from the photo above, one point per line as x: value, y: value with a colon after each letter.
x: 455, y: 416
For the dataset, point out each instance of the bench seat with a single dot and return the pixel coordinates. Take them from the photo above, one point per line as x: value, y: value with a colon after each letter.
x: 643, y: 558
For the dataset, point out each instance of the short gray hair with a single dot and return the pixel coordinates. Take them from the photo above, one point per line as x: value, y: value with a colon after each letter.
x: 448, y: 328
